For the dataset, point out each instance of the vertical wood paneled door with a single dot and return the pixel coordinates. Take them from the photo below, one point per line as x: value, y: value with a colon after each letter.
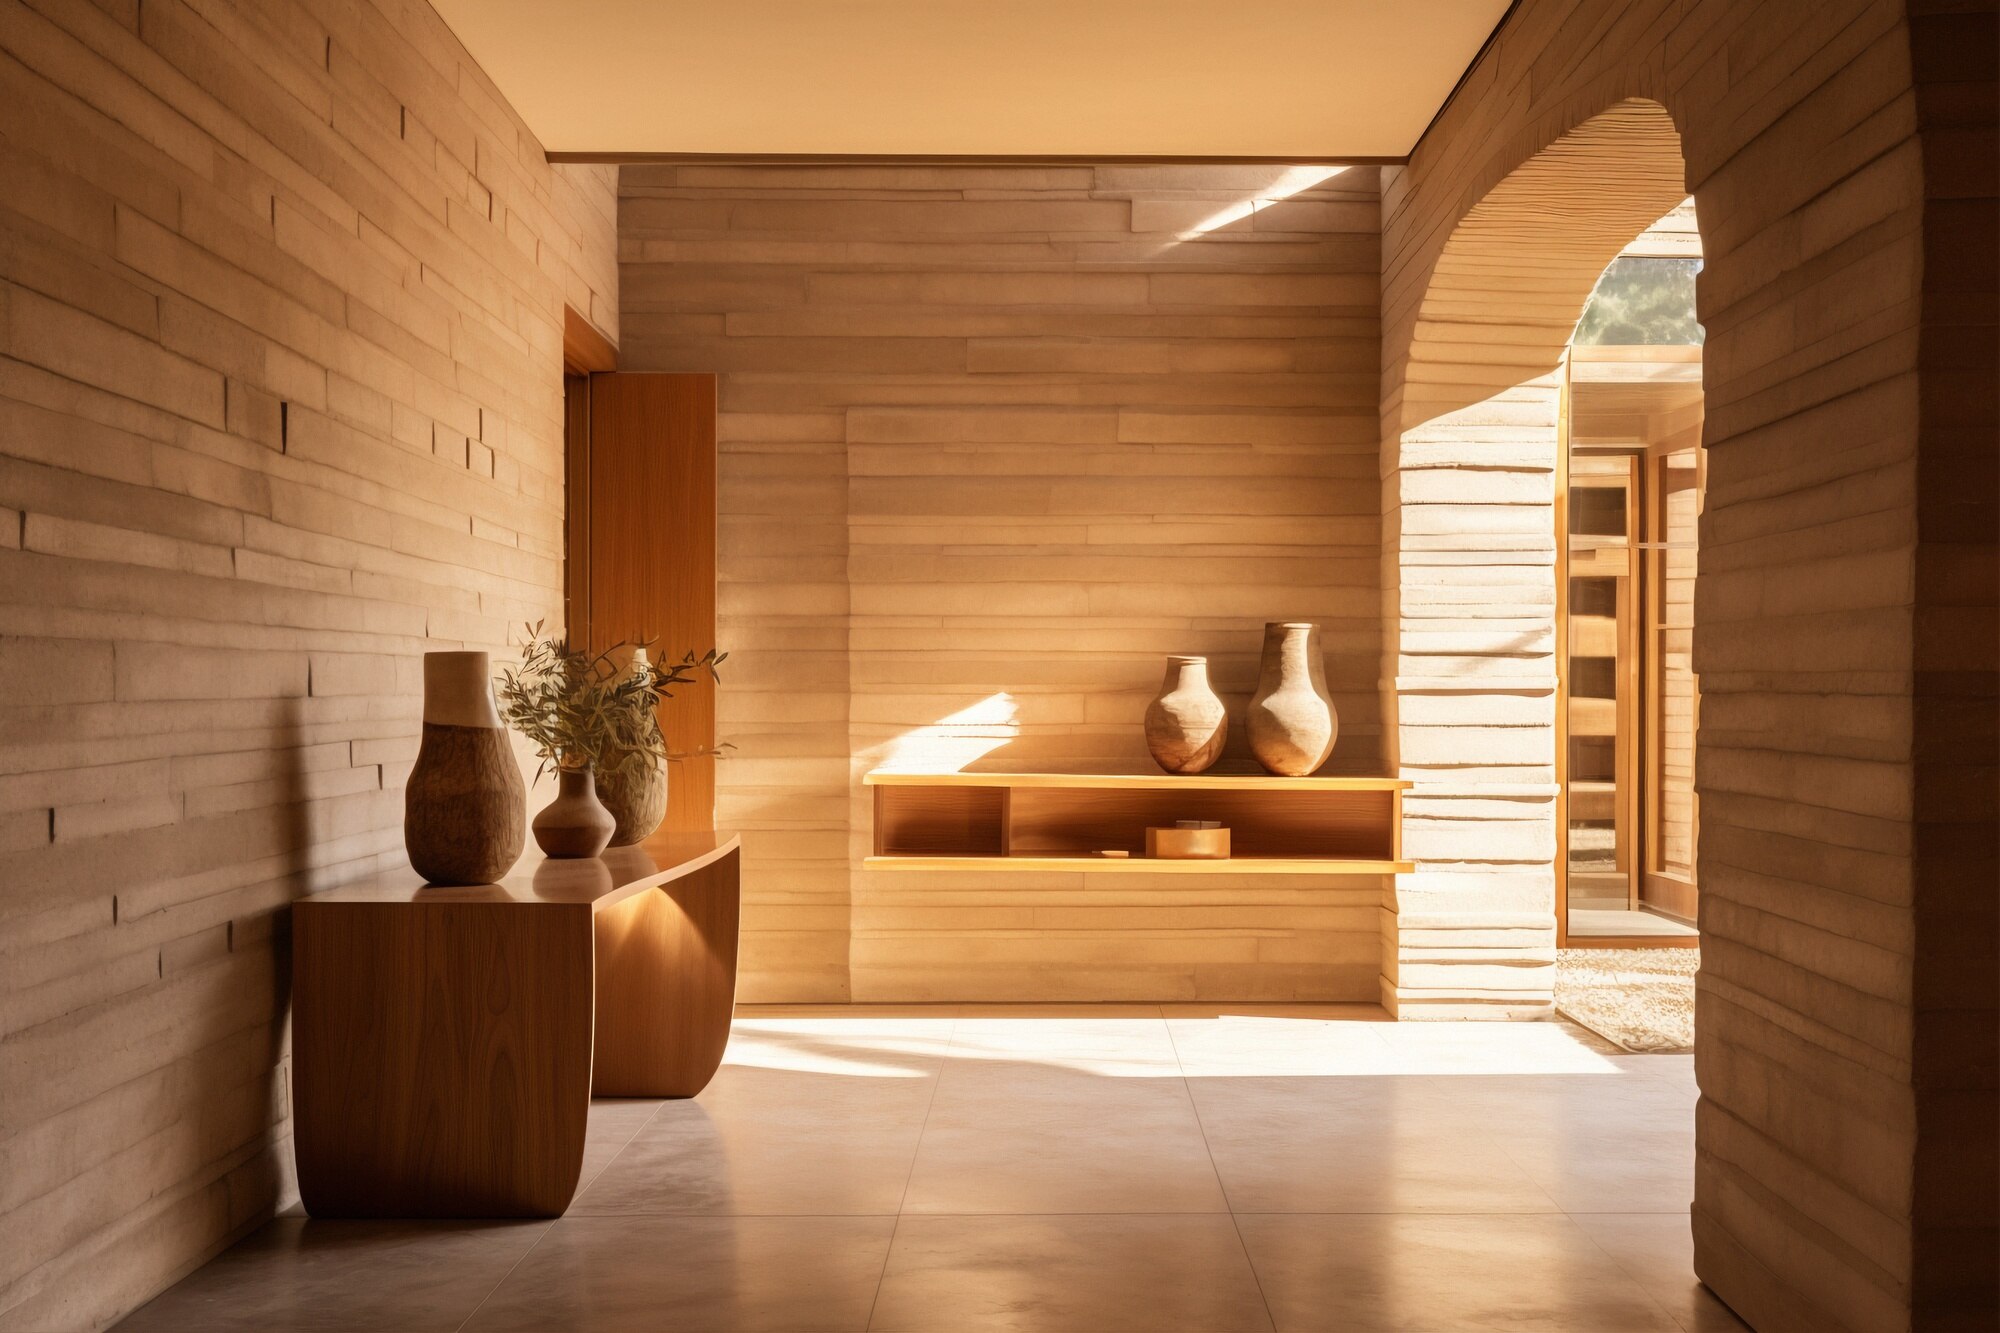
x: 645, y: 540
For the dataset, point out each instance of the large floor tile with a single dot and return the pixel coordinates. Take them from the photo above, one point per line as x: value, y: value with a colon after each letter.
x: 1658, y: 1251
x: 1107, y: 1040
x: 1621, y: 1144
x: 1612, y: 1172
x: 712, y: 1274
x: 1360, y: 1274
x: 1245, y: 1045
x: 1359, y: 1145
x: 613, y: 1123
x: 915, y: 1023
x: 1312, y: 1011
x: 1075, y: 1274
x: 772, y: 1141
x: 1487, y: 1049
x: 858, y: 1049
x: 335, y: 1276
x: 1060, y: 1167
x: 1026, y: 1138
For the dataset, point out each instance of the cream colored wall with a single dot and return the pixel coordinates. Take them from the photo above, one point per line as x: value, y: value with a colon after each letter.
x: 994, y: 442
x: 1845, y: 1021
x: 281, y: 293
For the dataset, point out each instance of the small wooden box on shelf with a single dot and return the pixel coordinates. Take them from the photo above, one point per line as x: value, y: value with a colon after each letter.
x: 1063, y: 821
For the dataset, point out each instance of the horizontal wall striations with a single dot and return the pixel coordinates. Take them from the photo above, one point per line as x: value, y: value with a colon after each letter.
x: 281, y: 291
x: 1833, y: 414
x: 994, y: 442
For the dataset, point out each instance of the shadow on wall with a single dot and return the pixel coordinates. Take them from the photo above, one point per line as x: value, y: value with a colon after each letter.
x: 235, y: 1108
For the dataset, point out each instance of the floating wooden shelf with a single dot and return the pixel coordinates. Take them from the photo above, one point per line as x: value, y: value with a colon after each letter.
x: 1061, y: 821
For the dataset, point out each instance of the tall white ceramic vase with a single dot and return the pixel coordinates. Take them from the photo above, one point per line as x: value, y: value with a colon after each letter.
x: 1293, y: 724
x: 1187, y: 724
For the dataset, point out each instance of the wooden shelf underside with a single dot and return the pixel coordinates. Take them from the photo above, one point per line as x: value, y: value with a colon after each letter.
x: 1061, y: 822
x: 1136, y: 781
x: 1241, y: 865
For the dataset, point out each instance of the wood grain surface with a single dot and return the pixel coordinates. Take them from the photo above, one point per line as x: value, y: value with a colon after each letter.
x: 651, y: 552
x: 441, y: 1057
x: 666, y: 984
x: 1027, y: 818
x: 443, y: 1037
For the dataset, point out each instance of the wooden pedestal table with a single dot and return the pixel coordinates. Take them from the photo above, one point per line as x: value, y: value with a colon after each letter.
x: 443, y: 1038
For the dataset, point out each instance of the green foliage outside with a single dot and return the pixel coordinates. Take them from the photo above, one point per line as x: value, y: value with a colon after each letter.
x: 1639, y: 302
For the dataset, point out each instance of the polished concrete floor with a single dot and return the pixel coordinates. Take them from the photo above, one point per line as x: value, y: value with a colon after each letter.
x: 1097, y: 1168
x: 1586, y: 921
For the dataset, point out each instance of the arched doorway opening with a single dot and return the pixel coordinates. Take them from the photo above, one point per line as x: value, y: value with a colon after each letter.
x: 1630, y: 484
x: 1474, y: 417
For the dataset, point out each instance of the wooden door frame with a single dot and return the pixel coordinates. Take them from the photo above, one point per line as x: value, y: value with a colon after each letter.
x: 646, y: 568
x: 1653, y: 629
x: 586, y: 352
x: 1560, y: 508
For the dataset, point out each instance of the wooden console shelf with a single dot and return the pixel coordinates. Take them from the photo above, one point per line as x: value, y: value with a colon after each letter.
x: 1061, y: 821
x: 446, y: 1041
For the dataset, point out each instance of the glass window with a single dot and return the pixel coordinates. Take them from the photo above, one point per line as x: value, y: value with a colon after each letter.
x: 1642, y: 302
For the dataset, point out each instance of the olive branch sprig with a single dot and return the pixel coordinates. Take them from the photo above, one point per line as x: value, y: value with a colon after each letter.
x: 580, y: 708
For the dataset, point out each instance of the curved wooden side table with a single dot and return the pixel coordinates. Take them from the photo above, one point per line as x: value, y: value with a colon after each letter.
x: 446, y: 1041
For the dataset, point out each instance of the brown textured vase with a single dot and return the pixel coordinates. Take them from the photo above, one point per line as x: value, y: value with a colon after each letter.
x: 464, y: 806
x: 1186, y: 725
x: 575, y: 823
x: 1293, y: 724
x: 635, y: 794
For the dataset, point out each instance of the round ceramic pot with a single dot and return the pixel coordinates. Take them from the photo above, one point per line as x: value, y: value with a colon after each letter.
x: 575, y: 823
x: 1187, y: 724
x: 636, y: 796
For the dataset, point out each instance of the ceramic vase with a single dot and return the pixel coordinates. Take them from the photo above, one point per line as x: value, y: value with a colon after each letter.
x: 1292, y: 721
x: 575, y: 823
x: 1186, y: 725
x: 635, y: 794
x: 464, y: 806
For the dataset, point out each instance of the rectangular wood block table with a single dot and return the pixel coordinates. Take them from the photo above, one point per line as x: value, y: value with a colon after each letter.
x: 446, y: 1042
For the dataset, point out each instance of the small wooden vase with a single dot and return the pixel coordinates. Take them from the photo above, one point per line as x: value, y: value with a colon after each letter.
x: 464, y: 806
x: 1293, y: 724
x: 575, y: 823
x: 1186, y: 725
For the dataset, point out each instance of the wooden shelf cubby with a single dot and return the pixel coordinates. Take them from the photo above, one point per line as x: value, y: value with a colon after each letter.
x: 1061, y: 821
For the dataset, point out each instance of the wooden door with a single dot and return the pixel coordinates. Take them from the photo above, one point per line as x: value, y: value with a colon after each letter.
x: 1673, y: 695
x: 645, y: 539
x: 1601, y: 682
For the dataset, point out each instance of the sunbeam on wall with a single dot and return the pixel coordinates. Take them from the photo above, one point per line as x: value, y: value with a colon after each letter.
x: 1287, y: 182
x: 953, y: 743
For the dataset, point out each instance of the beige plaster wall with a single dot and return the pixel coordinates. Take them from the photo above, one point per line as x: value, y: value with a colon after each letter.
x: 281, y: 291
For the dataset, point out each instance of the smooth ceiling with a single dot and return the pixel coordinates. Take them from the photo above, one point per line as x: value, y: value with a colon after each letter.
x: 1090, y: 78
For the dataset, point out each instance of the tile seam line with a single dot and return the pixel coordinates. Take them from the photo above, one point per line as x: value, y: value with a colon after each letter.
x: 1633, y: 1277
x: 515, y: 1266
x: 1570, y: 1216
x: 1236, y: 1227
x: 512, y: 1268
x: 896, y: 1224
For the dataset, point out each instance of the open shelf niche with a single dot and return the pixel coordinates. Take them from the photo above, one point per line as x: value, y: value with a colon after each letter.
x: 1062, y: 821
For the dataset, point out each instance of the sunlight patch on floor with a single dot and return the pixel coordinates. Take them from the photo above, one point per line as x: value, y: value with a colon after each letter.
x: 1159, y: 1041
